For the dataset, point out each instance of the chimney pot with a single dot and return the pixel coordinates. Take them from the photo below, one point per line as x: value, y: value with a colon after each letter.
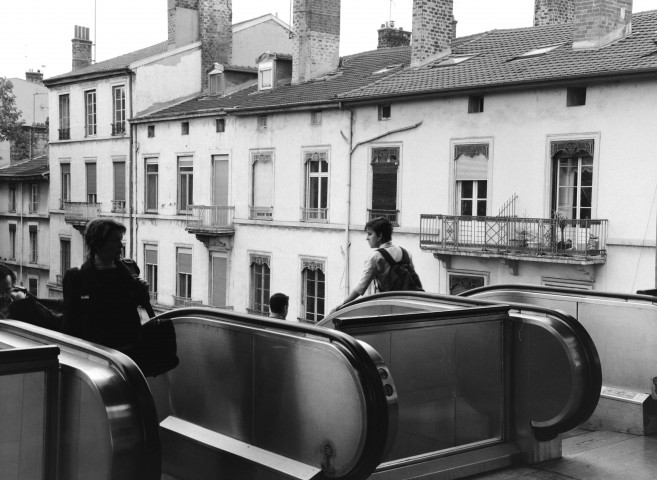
x: 81, y: 47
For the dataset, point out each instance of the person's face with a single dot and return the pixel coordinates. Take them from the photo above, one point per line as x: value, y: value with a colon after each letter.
x: 111, y: 249
x: 374, y: 239
x: 5, y: 285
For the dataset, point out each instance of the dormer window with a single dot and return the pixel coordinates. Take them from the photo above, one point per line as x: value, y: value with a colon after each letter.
x: 265, y: 75
x: 216, y: 79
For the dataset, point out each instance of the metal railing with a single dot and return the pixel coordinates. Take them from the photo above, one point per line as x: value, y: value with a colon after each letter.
x: 64, y: 133
x: 523, y: 236
x: 210, y: 218
x: 319, y: 215
x: 186, y: 302
x: 118, y: 128
x: 80, y: 212
x: 391, y: 215
x: 118, y: 206
x: 261, y: 213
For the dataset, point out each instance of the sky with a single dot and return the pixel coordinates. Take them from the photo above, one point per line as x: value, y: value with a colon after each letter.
x: 36, y: 34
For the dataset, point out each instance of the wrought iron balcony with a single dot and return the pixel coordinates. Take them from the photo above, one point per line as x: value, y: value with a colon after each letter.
x: 210, y: 220
x: 118, y: 128
x: 392, y: 215
x: 64, y: 133
x: 79, y: 213
x: 118, y: 206
x: 530, y: 239
x: 261, y: 213
x: 317, y: 215
x: 186, y: 302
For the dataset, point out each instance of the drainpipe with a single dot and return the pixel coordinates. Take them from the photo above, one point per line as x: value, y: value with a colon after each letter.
x: 22, y: 230
x: 131, y: 176
x: 347, y: 242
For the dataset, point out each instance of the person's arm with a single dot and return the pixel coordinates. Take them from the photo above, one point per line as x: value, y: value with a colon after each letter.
x: 72, y: 308
x: 364, y: 282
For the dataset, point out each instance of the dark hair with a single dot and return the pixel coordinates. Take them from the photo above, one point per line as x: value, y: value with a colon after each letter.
x: 381, y: 226
x: 98, y: 231
x: 277, y: 302
x: 5, y: 270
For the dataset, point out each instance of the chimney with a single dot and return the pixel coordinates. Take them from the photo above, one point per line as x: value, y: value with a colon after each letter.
x: 34, y: 77
x: 81, y: 48
x: 553, y: 12
x: 600, y: 22
x: 182, y: 23
x: 391, y: 37
x: 216, y: 28
x: 316, y: 24
x: 433, y: 29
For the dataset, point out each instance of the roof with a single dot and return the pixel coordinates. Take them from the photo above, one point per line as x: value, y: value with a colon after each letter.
x: 496, y: 64
x: 28, y: 170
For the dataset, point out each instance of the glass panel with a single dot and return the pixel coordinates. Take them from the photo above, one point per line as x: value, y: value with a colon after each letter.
x: 467, y: 189
x: 482, y: 189
x: 481, y: 208
x: 466, y: 207
x: 324, y: 199
x: 313, y: 187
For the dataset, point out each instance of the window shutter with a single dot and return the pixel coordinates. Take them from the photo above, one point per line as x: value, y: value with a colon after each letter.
x: 384, y: 186
x: 263, y: 174
x: 91, y: 179
x: 150, y: 255
x: 471, y: 168
x: 184, y: 262
x: 119, y: 181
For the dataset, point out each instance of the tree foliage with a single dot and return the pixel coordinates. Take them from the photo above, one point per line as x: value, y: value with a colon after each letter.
x: 10, y: 116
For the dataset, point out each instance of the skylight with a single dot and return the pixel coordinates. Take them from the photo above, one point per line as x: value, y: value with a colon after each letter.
x: 387, y: 69
x: 538, y: 51
x: 455, y: 60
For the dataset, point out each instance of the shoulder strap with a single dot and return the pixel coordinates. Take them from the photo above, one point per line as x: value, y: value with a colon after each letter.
x: 384, y: 253
x: 405, y: 258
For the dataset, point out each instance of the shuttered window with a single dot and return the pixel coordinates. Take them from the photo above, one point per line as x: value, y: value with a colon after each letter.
x: 385, y: 164
x: 184, y: 261
x: 92, y: 192
x: 119, y: 181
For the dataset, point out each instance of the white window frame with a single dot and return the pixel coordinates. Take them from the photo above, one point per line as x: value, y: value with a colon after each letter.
x: 64, y: 114
x: 318, y: 213
x: 396, y: 217
x: 12, y: 241
x: 118, y: 109
x: 150, y: 162
x: 261, y: 212
x: 151, y: 269
x: 266, y: 75
x: 184, y: 288
x: 90, y: 121
x: 92, y: 196
x: 34, y: 198
x: 312, y: 266
x: 65, y: 179
x: 259, y: 281
x: 33, y: 235
x: 185, y: 183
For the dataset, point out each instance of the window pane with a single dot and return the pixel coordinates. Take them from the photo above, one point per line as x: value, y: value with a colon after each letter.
x: 466, y: 189
x: 481, y: 208
x: 466, y: 207
x: 482, y: 189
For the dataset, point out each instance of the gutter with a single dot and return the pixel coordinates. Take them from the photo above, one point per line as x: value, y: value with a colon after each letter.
x: 87, y: 76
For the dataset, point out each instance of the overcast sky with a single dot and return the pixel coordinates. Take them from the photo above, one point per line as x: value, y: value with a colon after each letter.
x: 36, y: 34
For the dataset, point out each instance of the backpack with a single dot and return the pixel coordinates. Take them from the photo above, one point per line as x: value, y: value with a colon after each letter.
x: 402, y: 275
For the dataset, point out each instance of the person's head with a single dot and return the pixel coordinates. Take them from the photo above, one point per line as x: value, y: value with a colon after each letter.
x: 7, y: 279
x: 278, y: 305
x: 103, y: 238
x: 379, y: 231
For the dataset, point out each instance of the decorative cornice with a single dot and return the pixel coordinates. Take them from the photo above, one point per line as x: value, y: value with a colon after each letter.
x: 571, y: 147
x: 261, y: 157
x: 316, y: 156
x: 260, y: 259
x: 471, y: 150
x: 312, y: 264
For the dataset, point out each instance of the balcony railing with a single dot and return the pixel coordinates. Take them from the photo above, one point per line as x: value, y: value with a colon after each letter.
x: 539, y: 238
x: 64, y: 133
x: 118, y: 206
x: 391, y: 215
x: 210, y: 219
x: 118, y: 128
x: 319, y: 215
x: 79, y: 213
x: 261, y: 213
x: 185, y: 302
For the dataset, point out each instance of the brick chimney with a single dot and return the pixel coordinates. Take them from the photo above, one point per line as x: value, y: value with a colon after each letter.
x: 389, y: 36
x: 81, y: 48
x: 216, y: 28
x: 182, y: 23
x: 433, y: 29
x: 600, y: 22
x: 316, y: 24
x: 34, y: 77
x: 553, y: 12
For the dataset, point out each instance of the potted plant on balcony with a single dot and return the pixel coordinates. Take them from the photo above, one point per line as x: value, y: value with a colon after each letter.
x: 560, y: 222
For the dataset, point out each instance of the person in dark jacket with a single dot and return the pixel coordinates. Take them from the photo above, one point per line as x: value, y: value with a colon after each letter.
x: 102, y: 296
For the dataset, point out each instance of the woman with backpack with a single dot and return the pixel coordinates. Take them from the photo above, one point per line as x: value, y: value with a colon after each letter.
x: 389, y: 265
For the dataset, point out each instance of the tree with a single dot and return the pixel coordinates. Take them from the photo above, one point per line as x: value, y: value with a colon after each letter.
x: 10, y: 116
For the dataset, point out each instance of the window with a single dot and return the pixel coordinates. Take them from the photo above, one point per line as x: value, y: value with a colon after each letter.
x: 316, y: 117
x: 65, y: 184
x: 385, y: 112
x: 34, y: 198
x: 118, y: 203
x: 573, y: 179
x: 185, y: 184
x: 265, y: 76
x: 460, y: 282
x: 151, y: 190
x: 316, y: 201
x: 64, y: 255
x: 218, y: 279
x: 12, y: 241
x: 471, y: 175
x: 64, y: 117
x: 221, y: 125
x: 184, y: 128
x: 34, y: 244
x: 576, y: 96
x: 259, y: 302
x: 151, y: 131
x: 12, y: 198
x: 385, y: 163
x: 184, y: 269
x: 262, y: 183
x: 118, y: 106
x: 262, y: 122
x: 90, y: 113
x: 150, y: 269
x: 92, y: 193
x: 475, y: 104
x: 314, y: 290
x: 216, y: 83
x: 33, y: 285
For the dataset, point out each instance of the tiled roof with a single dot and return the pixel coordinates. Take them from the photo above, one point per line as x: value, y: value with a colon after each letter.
x: 495, y: 63
x: 354, y: 72
x: 116, y: 63
x: 35, y: 169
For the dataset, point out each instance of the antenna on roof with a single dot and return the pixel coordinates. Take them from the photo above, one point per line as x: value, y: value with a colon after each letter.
x: 94, y: 61
x: 390, y: 13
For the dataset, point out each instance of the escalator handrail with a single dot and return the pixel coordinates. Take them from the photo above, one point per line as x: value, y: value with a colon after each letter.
x: 378, y: 426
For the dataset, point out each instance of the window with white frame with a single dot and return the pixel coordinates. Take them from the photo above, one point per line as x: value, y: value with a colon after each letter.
x: 118, y: 203
x: 184, y: 272
x: 151, y: 184
x: 90, y: 113
x: 34, y: 198
x: 92, y: 191
x: 65, y: 184
x: 259, y: 287
x: 572, y: 194
x: 385, y: 166
x: 34, y: 244
x: 265, y: 75
x: 313, y: 294
x: 218, y: 279
x: 262, y: 122
x: 317, y: 176
x: 64, y: 255
x: 185, y: 184
x: 118, y: 110
x: 12, y: 198
x: 150, y: 269
x: 316, y: 117
x: 262, y: 185
x: 12, y: 241
x: 471, y: 176
x: 64, y: 117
